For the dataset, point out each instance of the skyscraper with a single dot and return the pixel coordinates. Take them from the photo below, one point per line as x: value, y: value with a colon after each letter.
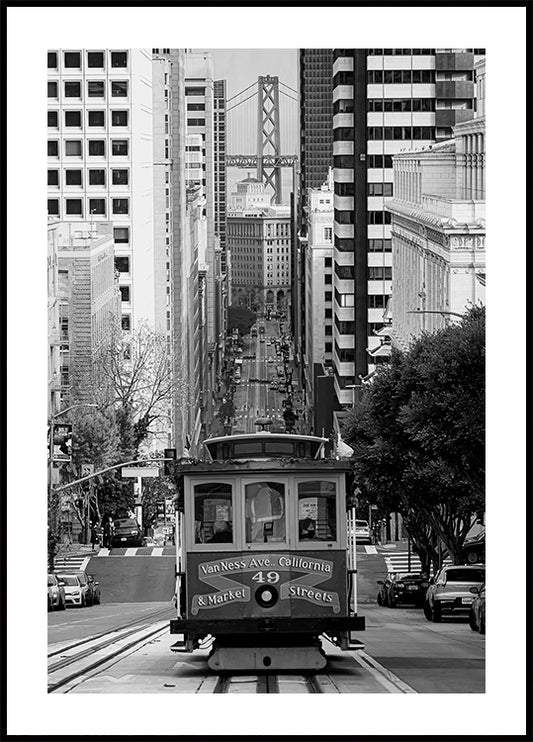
x: 100, y: 158
x: 316, y: 115
x: 384, y: 100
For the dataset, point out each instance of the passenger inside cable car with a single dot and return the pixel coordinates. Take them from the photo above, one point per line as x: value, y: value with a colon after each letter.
x: 222, y: 533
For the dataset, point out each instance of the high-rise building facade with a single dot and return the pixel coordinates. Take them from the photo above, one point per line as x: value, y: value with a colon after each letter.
x: 259, y: 243
x: 384, y: 101
x: 89, y: 301
x: 100, y: 158
x: 438, y: 230
x: 315, y: 78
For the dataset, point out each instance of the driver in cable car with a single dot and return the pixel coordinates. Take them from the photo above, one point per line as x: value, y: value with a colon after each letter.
x: 267, y: 516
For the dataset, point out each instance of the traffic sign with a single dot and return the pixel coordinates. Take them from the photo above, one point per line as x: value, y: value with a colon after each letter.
x: 140, y: 471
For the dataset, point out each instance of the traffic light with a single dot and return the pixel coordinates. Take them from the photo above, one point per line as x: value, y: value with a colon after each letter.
x: 62, y: 443
x: 170, y: 453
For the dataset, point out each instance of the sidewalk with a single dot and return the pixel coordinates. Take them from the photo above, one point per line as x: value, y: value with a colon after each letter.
x: 69, y: 550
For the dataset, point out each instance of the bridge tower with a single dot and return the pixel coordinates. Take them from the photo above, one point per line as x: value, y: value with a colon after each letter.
x: 268, y: 139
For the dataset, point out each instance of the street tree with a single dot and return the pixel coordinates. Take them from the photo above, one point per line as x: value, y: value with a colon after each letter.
x: 418, y: 434
x: 240, y: 318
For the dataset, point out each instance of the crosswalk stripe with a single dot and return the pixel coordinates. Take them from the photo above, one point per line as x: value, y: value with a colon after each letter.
x: 157, y: 551
x: 130, y: 552
x: 103, y: 552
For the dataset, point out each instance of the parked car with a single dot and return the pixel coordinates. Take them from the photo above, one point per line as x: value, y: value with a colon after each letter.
x: 477, y: 610
x: 450, y: 590
x: 75, y: 592
x: 474, y: 549
x: 127, y: 531
x: 408, y: 589
x: 93, y: 592
x: 56, y: 594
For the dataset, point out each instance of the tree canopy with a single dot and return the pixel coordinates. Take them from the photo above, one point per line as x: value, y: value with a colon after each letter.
x: 418, y: 434
x: 240, y: 318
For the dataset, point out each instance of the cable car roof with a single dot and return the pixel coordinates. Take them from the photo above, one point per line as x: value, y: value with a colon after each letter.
x: 265, y: 445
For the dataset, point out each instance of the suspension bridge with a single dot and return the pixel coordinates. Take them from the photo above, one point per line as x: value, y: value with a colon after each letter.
x: 264, y: 116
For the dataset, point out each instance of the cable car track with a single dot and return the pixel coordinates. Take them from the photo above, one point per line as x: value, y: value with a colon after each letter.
x: 149, y: 617
x: 78, y: 674
x: 273, y: 683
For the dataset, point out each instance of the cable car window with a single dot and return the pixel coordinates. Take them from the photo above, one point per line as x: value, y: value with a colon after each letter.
x: 265, y: 512
x: 213, y: 514
x: 279, y: 447
x: 254, y: 447
x: 317, y: 511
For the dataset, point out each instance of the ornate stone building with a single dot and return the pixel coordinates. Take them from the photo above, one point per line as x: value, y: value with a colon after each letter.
x: 438, y: 232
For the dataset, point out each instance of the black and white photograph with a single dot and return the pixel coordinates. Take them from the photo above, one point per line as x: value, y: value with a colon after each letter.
x: 278, y: 449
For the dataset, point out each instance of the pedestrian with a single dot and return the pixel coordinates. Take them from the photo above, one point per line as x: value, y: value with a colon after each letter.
x: 94, y: 535
x: 107, y: 531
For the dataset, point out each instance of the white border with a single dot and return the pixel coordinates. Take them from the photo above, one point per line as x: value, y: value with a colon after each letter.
x: 31, y: 31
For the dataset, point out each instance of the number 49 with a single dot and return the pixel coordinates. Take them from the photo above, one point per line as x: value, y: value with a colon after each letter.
x: 266, y: 577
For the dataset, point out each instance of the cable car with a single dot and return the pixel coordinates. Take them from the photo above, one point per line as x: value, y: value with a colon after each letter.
x: 265, y: 553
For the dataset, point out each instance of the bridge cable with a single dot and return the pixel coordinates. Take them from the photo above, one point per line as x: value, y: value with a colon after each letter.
x: 241, y: 92
x: 239, y: 103
x: 288, y: 86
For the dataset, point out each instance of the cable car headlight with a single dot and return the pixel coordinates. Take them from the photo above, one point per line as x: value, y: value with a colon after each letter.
x: 266, y: 596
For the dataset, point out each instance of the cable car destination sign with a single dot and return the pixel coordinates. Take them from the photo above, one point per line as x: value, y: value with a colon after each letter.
x: 237, y: 577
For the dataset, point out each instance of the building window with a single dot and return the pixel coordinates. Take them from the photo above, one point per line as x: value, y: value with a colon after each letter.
x: 328, y: 279
x: 74, y: 206
x: 380, y: 189
x: 97, y: 177
x: 53, y: 204
x: 97, y: 206
x: 126, y: 322
x: 52, y: 60
x: 328, y: 313
x: 124, y: 293
x: 328, y: 296
x: 328, y: 330
x: 53, y: 148
x: 194, y: 91
x: 73, y: 118
x: 119, y: 118
x: 120, y: 177
x: 53, y: 119
x: 195, y: 122
x: 119, y: 89
x: 53, y: 177
x: 196, y: 106
x: 379, y: 273
x: 119, y: 59
x: 95, y: 60
x: 95, y: 88
x: 120, y: 206
x: 379, y: 217
x: 379, y: 245
x: 328, y: 347
x: 378, y: 161
x: 52, y: 89
x: 73, y: 148
x: 96, y: 118
x: 120, y: 147
x: 121, y: 235
x: 96, y: 148
x: 328, y: 234
x: 73, y: 177
x: 72, y: 89
x: 122, y: 264
x: 72, y: 60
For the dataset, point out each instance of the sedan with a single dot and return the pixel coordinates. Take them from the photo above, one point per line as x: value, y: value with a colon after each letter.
x: 56, y: 594
x: 450, y: 591
x: 407, y: 589
x: 362, y: 531
x: 75, y: 592
x: 93, y: 587
x: 127, y: 531
x: 477, y: 610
